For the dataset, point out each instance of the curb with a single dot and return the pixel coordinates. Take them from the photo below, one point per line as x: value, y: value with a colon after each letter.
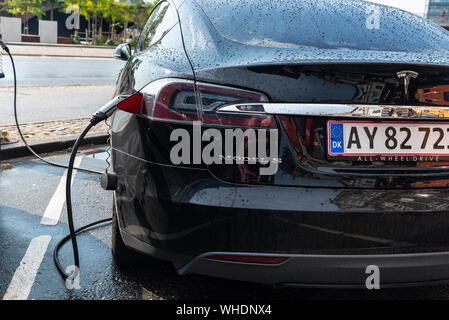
x: 58, y: 50
x: 57, y: 45
x: 61, y: 56
x: 10, y: 152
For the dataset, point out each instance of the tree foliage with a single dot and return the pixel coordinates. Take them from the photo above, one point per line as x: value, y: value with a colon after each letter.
x: 53, y: 4
x: 115, y: 12
x: 23, y: 7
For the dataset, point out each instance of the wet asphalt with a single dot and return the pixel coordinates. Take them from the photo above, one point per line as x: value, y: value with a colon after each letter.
x: 26, y: 187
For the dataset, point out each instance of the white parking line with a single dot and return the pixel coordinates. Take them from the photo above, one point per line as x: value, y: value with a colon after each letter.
x: 54, y: 209
x: 23, y: 279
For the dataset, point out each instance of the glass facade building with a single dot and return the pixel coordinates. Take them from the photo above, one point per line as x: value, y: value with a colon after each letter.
x: 438, y: 11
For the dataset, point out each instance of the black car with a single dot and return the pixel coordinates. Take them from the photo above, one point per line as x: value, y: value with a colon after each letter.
x: 333, y: 94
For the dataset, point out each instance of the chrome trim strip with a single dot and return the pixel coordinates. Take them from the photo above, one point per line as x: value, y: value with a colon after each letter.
x: 340, y: 110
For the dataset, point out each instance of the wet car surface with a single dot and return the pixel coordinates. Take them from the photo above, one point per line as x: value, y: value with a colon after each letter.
x: 27, y: 187
x: 355, y: 177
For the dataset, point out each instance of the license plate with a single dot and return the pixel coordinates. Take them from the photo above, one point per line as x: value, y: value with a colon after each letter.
x: 357, y: 138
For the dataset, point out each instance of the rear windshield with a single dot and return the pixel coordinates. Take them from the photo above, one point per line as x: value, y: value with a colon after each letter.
x: 324, y: 24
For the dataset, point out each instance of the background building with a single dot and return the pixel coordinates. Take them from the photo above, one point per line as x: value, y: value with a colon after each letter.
x: 105, y: 22
x: 438, y: 11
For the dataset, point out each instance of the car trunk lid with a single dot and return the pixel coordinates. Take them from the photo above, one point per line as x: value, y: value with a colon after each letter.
x: 310, y: 100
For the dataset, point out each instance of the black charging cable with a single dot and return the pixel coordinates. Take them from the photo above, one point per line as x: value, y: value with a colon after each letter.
x: 104, y: 113
x: 73, y: 233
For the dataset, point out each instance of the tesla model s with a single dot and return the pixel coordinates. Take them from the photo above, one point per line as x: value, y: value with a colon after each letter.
x: 284, y: 142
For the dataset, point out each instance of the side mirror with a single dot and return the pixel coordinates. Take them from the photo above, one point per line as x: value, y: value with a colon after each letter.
x: 123, y: 52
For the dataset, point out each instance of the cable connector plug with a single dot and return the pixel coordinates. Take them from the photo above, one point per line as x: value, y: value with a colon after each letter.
x: 107, y: 110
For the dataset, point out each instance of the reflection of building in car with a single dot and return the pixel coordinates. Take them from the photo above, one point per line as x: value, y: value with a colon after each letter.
x: 435, y: 95
x: 367, y: 111
x: 350, y: 200
x: 401, y: 112
x: 397, y: 112
x: 371, y: 93
x: 433, y: 113
x: 437, y: 183
x: 433, y: 184
x: 437, y: 11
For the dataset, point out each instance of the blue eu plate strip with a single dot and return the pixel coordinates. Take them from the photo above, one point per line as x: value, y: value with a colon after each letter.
x: 336, y: 138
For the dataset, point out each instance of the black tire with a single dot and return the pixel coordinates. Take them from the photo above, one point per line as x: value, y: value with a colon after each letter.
x: 122, y: 255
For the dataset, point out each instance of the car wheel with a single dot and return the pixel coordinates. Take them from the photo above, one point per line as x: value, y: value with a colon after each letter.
x: 122, y: 255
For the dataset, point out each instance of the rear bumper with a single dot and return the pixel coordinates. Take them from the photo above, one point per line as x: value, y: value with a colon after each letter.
x: 191, y: 212
x: 301, y: 270
x: 330, y: 236
x: 330, y: 270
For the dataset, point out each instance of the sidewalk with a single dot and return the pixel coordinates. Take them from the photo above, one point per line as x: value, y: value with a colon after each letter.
x: 48, y: 137
x: 60, y: 50
x: 39, y: 104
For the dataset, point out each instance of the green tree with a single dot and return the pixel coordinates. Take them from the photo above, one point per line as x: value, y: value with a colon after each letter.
x: 101, y: 11
x: 116, y: 12
x: 53, y: 4
x: 140, y: 12
x: 137, y: 12
x: 113, y: 17
x: 125, y: 11
x: 21, y: 7
x: 24, y: 7
x: 86, y: 9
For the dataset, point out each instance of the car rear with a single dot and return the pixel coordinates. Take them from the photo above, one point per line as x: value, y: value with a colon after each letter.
x: 361, y: 150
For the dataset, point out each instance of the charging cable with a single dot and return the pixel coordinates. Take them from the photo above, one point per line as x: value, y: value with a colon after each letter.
x: 2, y: 75
x: 104, y: 113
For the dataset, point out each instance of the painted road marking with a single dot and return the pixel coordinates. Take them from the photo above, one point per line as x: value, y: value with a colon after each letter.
x: 23, y: 279
x: 54, y: 209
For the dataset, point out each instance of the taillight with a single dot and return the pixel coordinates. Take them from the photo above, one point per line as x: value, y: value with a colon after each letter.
x: 214, y: 96
x: 170, y: 99
x: 177, y: 100
x: 290, y: 129
x: 166, y: 99
x: 132, y: 104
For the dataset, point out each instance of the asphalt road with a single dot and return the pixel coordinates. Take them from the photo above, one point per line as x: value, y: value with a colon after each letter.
x: 56, y: 88
x: 28, y: 189
x: 57, y: 71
